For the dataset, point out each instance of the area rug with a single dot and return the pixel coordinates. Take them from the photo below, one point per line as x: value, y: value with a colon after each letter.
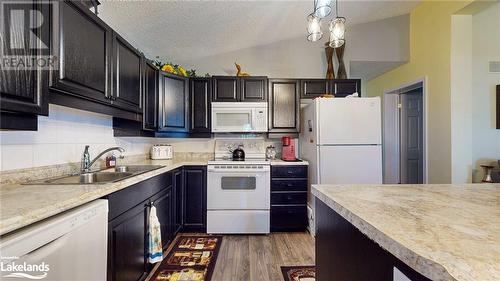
x: 299, y: 273
x: 191, y: 258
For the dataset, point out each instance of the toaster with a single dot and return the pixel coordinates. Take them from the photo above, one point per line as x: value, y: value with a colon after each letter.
x: 162, y: 151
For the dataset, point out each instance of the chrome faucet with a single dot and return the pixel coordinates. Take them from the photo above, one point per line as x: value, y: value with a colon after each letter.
x: 87, y: 163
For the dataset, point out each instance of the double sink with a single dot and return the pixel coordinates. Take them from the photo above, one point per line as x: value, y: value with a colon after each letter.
x: 101, y: 177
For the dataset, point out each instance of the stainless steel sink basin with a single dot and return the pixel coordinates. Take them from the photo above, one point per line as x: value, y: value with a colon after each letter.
x: 137, y: 168
x: 89, y: 178
x: 100, y: 177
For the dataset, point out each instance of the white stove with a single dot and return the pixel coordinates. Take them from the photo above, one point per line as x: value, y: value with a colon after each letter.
x: 238, y: 197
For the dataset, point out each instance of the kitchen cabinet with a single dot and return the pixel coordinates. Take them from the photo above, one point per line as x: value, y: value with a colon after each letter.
x: 24, y: 93
x: 127, y: 75
x: 312, y: 88
x: 150, y: 109
x: 288, y: 198
x: 83, y: 44
x: 284, y: 106
x: 195, y: 198
x: 127, y: 245
x: 173, y: 103
x: 345, y: 87
x: 128, y: 225
x: 200, y: 99
x: 236, y: 89
x: 163, y: 203
x: 178, y: 193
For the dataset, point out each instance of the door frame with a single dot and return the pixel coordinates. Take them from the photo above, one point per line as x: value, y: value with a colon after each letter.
x: 392, y: 115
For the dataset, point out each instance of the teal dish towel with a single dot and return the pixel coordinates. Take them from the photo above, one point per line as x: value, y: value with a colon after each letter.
x: 155, y: 253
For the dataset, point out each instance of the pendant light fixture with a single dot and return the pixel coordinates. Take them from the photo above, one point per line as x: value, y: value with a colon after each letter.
x: 314, y: 32
x: 322, y: 8
x: 337, y: 30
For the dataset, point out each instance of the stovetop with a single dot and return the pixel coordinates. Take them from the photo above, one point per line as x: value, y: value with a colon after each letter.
x: 255, y: 151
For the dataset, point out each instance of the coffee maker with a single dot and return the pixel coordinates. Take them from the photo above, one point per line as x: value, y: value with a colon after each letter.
x: 288, y: 150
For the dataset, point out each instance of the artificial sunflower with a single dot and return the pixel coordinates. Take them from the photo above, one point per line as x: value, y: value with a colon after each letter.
x: 182, y: 71
x: 168, y: 68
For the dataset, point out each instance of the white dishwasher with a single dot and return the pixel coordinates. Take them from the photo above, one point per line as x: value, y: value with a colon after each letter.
x: 69, y: 246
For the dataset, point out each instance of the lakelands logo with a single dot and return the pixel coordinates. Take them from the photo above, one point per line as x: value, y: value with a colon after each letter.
x: 24, y: 35
x: 25, y: 270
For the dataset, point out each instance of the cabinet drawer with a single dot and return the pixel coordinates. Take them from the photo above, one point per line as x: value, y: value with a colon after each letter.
x: 285, y: 218
x: 288, y: 185
x: 289, y: 171
x: 287, y: 198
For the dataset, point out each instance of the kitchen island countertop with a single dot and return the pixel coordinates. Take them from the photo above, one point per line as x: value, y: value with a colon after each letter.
x: 444, y: 232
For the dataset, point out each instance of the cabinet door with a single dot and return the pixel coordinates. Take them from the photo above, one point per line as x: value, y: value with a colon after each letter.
x: 178, y: 181
x: 150, y: 96
x: 284, y: 106
x: 225, y: 88
x: 25, y: 90
x: 200, y: 99
x: 312, y: 88
x: 82, y: 43
x: 345, y: 87
x: 195, y: 195
x: 253, y: 89
x: 173, y: 103
x: 164, y: 211
x: 127, y: 245
x: 127, y: 74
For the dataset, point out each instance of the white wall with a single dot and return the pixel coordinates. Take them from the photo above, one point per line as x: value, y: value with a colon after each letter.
x: 485, y: 48
x: 475, y: 139
x: 380, y: 41
x: 62, y: 136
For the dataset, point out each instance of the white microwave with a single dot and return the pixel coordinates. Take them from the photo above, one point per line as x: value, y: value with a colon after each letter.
x: 239, y: 117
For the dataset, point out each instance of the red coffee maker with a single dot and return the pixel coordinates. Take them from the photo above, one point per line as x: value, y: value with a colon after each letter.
x: 288, y: 150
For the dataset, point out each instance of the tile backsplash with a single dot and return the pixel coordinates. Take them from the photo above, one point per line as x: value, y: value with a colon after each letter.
x: 62, y: 136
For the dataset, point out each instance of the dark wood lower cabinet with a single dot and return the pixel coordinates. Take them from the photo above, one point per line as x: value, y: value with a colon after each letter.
x: 288, y: 198
x: 344, y: 253
x: 195, y: 199
x: 127, y: 245
x: 180, y: 200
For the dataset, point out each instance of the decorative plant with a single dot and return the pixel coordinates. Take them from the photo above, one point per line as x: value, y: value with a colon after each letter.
x: 174, y: 68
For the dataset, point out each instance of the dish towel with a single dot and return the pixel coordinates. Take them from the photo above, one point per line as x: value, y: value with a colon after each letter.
x: 155, y: 253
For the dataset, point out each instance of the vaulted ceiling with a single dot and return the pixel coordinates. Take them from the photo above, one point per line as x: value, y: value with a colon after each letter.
x: 186, y: 30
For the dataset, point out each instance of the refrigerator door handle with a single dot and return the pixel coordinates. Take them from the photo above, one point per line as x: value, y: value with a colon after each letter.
x: 309, y: 123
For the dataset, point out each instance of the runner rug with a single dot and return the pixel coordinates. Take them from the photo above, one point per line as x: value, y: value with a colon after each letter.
x: 299, y: 273
x: 192, y: 258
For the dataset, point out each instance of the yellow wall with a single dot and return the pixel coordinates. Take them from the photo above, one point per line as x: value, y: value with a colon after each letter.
x: 430, y: 41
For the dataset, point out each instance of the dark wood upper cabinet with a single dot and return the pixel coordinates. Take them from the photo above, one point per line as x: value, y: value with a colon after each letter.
x: 127, y: 75
x: 150, y: 83
x: 83, y: 44
x: 253, y: 88
x: 345, y: 87
x: 284, y: 106
x: 25, y: 91
x: 173, y: 103
x: 199, y: 100
x: 225, y: 88
x: 312, y: 88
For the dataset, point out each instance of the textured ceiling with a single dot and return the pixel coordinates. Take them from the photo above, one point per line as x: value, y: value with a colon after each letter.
x: 192, y: 29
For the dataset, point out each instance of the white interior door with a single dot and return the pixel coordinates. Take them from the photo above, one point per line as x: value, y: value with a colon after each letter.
x: 350, y: 164
x: 350, y: 121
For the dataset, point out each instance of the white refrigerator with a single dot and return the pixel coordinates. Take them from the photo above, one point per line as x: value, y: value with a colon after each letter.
x: 342, y: 140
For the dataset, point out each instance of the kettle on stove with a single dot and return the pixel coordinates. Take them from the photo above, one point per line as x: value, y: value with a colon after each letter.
x: 239, y: 154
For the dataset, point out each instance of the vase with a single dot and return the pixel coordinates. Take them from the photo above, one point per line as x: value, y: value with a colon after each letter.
x: 341, y: 73
x: 330, y: 72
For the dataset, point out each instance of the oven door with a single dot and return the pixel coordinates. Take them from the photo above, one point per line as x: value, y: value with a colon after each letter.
x: 238, y: 190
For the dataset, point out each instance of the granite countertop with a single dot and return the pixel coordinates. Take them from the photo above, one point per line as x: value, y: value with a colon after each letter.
x: 22, y: 205
x: 445, y: 232
x: 279, y: 162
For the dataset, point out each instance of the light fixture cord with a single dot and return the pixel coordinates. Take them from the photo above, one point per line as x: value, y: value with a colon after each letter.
x: 337, y: 7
